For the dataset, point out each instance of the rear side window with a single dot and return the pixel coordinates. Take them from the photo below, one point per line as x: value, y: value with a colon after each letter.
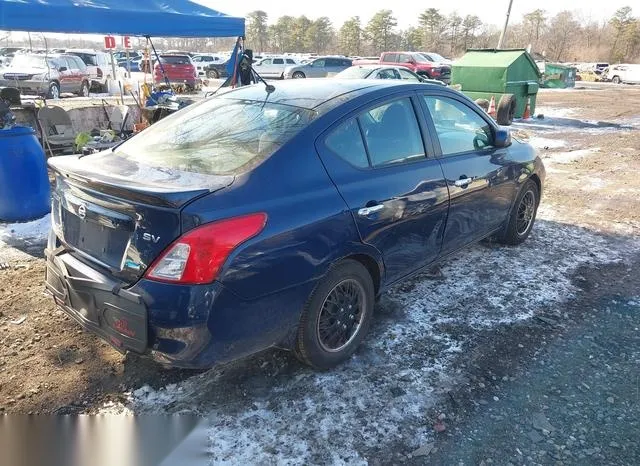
x: 217, y: 136
x: 390, y: 57
x: 278, y: 61
x: 88, y: 58
x: 346, y: 142
x: 459, y: 127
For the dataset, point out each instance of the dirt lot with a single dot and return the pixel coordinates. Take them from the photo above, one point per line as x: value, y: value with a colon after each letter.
x: 533, y: 341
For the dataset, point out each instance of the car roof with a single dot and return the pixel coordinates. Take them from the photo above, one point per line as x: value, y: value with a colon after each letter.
x: 312, y: 93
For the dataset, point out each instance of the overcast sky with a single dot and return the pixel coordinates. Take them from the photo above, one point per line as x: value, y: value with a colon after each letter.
x: 407, y: 11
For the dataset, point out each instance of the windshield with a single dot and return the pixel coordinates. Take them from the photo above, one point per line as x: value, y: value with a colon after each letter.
x: 421, y: 58
x: 217, y: 136
x: 354, y: 72
x: 31, y: 61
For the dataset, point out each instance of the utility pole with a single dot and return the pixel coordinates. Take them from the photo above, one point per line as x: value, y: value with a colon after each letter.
x: 506, y: 23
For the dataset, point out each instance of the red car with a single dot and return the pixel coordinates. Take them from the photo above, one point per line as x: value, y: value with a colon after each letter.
x: 179, y: 69
x: 417, y: 63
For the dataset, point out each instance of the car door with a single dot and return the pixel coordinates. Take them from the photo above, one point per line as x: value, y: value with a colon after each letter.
x: 316, y: 69
x: 67, y: 77
x: 481, y: 177
x: 264, y: 69
x: 277, y: 68
x: 393, y: 187
x: 332, y: 67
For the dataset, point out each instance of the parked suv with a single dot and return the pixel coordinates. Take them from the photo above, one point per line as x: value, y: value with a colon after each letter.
x: 179, y: 69
x: 624, y: 73
x: 318, y: 68
x: 98, y: 66
x: 273, y: 67
x: 202, y: 61
x: 47, y: 75
x: 418, y: 63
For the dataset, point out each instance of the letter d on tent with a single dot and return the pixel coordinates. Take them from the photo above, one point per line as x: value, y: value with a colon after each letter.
x: 109, y: 42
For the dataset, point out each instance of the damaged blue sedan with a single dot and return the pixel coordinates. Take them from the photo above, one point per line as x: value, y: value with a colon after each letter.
x: 274, y: 217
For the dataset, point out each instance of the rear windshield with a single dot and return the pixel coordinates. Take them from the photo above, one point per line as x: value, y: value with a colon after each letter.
x: 217, y: 136
x: 175, y: 59
x: 88, y: 58
x: 354, y: 72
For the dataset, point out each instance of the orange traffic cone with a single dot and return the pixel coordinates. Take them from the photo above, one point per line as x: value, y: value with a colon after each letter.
x: 527, y: 112
x: 492, y: 107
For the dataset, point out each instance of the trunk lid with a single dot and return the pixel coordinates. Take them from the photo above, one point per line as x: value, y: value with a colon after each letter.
x: 121, y: 214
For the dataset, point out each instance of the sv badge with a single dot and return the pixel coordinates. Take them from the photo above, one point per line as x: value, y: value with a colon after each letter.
x: 151, y: 238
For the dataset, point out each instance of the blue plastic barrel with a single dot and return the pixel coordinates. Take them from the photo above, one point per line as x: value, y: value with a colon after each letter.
x: 24, y: 183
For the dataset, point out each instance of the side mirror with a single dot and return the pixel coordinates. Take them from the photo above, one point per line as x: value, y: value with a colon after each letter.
x: 502, y: 137
x: 62, y: 68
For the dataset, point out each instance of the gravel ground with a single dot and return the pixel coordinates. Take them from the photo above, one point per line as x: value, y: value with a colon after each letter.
x: 525, y: 355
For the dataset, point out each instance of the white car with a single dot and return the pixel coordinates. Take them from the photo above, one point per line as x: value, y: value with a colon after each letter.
x: 201, y: 61
x: 273, y: 67
x: 624, y: 73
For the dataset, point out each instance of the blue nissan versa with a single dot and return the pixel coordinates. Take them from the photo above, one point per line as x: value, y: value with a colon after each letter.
x: 275, y: 217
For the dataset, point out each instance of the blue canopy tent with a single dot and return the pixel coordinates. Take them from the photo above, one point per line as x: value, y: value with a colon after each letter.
x: 175, y: 18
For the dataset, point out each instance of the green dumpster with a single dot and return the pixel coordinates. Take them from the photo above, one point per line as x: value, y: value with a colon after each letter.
x: 559, y: 76
x: 511, y: 76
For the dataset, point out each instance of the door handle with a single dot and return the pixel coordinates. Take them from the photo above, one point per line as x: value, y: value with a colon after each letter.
x: 463, y: 183
x: 366, y: 211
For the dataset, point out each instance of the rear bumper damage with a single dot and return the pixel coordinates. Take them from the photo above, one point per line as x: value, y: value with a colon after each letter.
x: 186, y: 326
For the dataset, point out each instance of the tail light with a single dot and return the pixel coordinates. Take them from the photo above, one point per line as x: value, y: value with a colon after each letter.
x: 198, y: 255
x: 99, y: 72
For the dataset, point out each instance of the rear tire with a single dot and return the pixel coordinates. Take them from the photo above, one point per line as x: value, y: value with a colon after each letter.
x: 616, y: 80
x: 337, y: 316
x: 84, y: 89
x: 506, y: 109
x: 522, y: 216
x: 298, y: 75
x: 213, y: 74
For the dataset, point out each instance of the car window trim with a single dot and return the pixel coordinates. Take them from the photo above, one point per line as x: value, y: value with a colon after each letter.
x: 432, y: 127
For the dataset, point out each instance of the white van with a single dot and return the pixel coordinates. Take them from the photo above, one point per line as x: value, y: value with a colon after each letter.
x: 624, y: 73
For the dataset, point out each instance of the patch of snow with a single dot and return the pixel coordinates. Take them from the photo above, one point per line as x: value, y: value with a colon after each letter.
x: 570, y: 157
x: 37, y: 230
x: 377, y: 402
x: 545, y: 143
x: 554, y: 112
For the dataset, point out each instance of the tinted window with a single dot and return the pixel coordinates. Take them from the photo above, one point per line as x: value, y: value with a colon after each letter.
x: 266, y: 61
x: 347, y: 62
x: 459, y: 127
x: 88, y: 58
x: 408, y: 75
x: 216, y: 136
x: 79, y: 64
x: 290, y: 61
x: 392, y: 133
x: 278, y: 61
x: 391, y: 57
x: 319, y: 63
x: 332, y: 62
x: 346, y: 142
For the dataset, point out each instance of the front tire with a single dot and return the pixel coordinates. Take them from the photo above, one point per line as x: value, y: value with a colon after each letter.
x: 337, y: 316
x: 298, y: 75
x: 522, y: 216
x: 213, y: 74
x: 54, y: 91
x: 616, y: 80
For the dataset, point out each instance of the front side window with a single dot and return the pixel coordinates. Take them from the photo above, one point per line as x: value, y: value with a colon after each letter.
x: 217, y: 136
x: 404, y: 58
x: 290, y: 61
x: 392, y: 133
x: 459, y: 127
x: 266, y: 61
x: 385, y: 74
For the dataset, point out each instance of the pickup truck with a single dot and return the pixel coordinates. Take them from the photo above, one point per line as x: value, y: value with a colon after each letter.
x: 417, y: 62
